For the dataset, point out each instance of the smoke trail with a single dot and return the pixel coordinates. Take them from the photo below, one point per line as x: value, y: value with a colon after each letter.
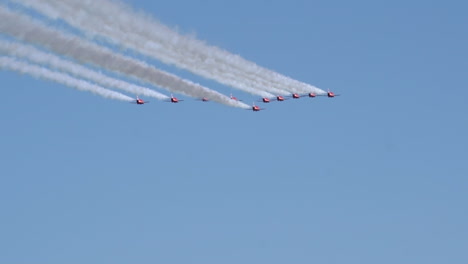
x: 43, y: 73
x: 119, y: 24
x: 37, y: 56
x: 208, y: 69
x: 125, y: 27
x: 30, y: 30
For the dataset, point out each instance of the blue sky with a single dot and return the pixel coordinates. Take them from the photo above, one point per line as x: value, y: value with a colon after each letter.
x: 378, y: 174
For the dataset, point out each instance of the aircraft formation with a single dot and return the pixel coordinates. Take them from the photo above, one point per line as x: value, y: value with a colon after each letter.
x: 48, y: 52
x: 254, y: 108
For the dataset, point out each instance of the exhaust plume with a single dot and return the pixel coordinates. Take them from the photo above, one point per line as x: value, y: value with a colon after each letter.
x: 123, y: 26
x: 43, y: 73
x: 32, y: 54
x: 171, y: 49
x: 33, y: 31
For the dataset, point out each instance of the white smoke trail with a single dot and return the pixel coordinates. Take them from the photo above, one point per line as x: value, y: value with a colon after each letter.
x: 119, y: 24
x: 39, y: 57
x: 218, y: 72
x: 43, y: 73
x: 30, y: 30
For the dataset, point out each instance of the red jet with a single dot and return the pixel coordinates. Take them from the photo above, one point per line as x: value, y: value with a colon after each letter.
x: 265, y: 100
x: 235, y: 98
x: 256, y: 108
x: 140, y: 101
x: 295, y: 96
x: 331, y: 94
x: 312, y: 95
x: 204, y: 99
x: 174, y: 100
x: 280, y: 98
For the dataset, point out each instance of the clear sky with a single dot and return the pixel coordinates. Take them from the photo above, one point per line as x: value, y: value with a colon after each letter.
x: 377, y: 175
